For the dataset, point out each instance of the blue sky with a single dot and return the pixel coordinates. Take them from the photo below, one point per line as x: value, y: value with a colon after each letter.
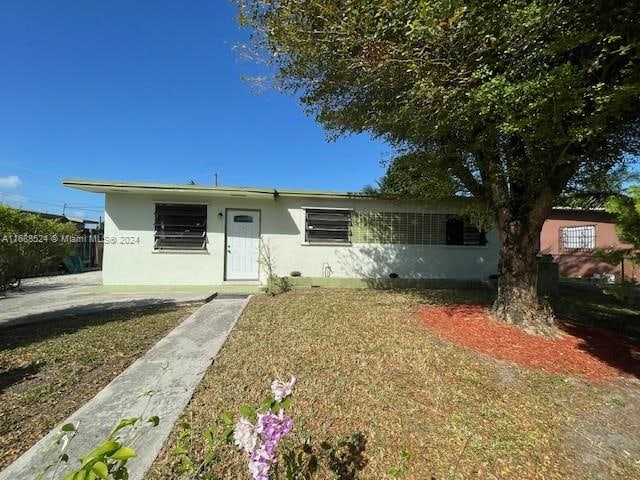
x: 150, y: 91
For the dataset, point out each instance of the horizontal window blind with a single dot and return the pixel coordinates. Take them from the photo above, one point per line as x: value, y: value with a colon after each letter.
x: 180, y: 227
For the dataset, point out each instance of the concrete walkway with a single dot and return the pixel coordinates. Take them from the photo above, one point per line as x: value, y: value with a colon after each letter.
x: 46, y: 298
x: 172, y: 369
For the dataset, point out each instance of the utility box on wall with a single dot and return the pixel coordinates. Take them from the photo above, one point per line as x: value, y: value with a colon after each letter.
x: 548, y: 276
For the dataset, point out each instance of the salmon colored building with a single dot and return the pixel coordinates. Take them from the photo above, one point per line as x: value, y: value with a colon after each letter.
x: 571, y: 237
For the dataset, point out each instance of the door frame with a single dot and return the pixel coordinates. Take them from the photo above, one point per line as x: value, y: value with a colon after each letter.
x: 226, y: 236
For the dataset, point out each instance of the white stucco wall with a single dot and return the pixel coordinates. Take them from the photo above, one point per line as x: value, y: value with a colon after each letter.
x: 131, y: 216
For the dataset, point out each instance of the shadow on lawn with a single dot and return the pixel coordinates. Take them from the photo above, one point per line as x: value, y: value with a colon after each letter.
x: 343, y: 458
x: 609, y: 328
x: 21, y: 335
x: 18, y: 375
x: 483, y: 296
x: 23, y: 290
x: 616, y: 351
x: 592, y: 308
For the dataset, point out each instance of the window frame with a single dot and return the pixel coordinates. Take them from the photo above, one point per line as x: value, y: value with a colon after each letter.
x: 326, y: 241
x: 159, y: 231
x: 593, y: 237
x: 466, y: 229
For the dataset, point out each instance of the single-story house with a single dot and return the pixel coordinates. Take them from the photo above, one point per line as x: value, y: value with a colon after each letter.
x: 164, y: 234
x: 572, y: 236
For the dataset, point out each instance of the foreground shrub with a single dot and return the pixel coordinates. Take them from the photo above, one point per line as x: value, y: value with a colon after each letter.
x: 30, y: 244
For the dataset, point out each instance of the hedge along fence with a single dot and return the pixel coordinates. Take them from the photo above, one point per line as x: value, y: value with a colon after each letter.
x: 30, y: 244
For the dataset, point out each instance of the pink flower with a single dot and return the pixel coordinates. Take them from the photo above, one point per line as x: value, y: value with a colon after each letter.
x: 245, y: 435
x: 261, y: 440
x: 282, y: 389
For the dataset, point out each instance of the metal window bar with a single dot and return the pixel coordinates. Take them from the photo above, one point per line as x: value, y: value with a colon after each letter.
x: 580, y: 238
x: 180, y: 227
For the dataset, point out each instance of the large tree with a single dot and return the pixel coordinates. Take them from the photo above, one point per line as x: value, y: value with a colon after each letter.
x: 506, y: 101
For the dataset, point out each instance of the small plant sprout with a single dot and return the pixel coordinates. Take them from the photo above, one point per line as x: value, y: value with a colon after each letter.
x: 64, y: 437
x: 275, y: 284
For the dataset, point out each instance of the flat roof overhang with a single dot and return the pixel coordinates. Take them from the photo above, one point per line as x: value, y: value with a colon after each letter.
x: 98, y: 186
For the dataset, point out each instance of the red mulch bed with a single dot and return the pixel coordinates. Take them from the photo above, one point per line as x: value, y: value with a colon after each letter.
x: 586, y: 352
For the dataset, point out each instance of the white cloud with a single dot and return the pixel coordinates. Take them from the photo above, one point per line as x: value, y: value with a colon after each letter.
x: 12, y: 181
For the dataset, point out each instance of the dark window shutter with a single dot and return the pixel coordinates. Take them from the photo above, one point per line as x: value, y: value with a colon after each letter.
x: 455, y: 231
x: 180, y: 227
x: 332, y: 226
x: 460, y: 232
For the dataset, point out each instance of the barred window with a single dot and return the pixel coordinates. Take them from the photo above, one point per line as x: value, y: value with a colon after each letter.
x: 582, y: 237
x: 180, y: 227
x: 327, y: 225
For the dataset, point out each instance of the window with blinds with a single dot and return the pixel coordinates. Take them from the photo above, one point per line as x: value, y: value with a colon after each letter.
x: 327, y: 225
x: 180, y: 227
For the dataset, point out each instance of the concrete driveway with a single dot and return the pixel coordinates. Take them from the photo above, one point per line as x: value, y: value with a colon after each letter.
x: 45, y: 298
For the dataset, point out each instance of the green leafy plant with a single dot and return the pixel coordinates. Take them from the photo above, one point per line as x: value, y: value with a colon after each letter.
x: 213, y: 438
x: 108, y: 460
x: 402, y: 468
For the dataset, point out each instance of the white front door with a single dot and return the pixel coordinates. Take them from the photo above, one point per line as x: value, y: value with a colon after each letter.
x: 243, y: 244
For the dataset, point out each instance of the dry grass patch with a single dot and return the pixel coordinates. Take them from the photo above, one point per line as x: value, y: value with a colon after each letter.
x: 48, y: 370
x: 379, y: 396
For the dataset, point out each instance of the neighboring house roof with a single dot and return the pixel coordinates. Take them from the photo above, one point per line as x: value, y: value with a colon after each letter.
x: 583, y: 215
x: 579, y: 209
x: 100, y: 186
x: 55, y: 216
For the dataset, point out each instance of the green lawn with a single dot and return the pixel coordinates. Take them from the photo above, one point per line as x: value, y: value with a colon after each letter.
x: 48, y: 370
x: 378, y: 391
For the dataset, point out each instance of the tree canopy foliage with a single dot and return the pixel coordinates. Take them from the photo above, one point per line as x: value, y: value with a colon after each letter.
x: 552, y: 86
x: 626, y: 211
x: 507, y: 101
x: 588, y: 192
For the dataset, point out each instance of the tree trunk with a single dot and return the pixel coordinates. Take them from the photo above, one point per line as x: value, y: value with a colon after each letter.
x: 517, y: 302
